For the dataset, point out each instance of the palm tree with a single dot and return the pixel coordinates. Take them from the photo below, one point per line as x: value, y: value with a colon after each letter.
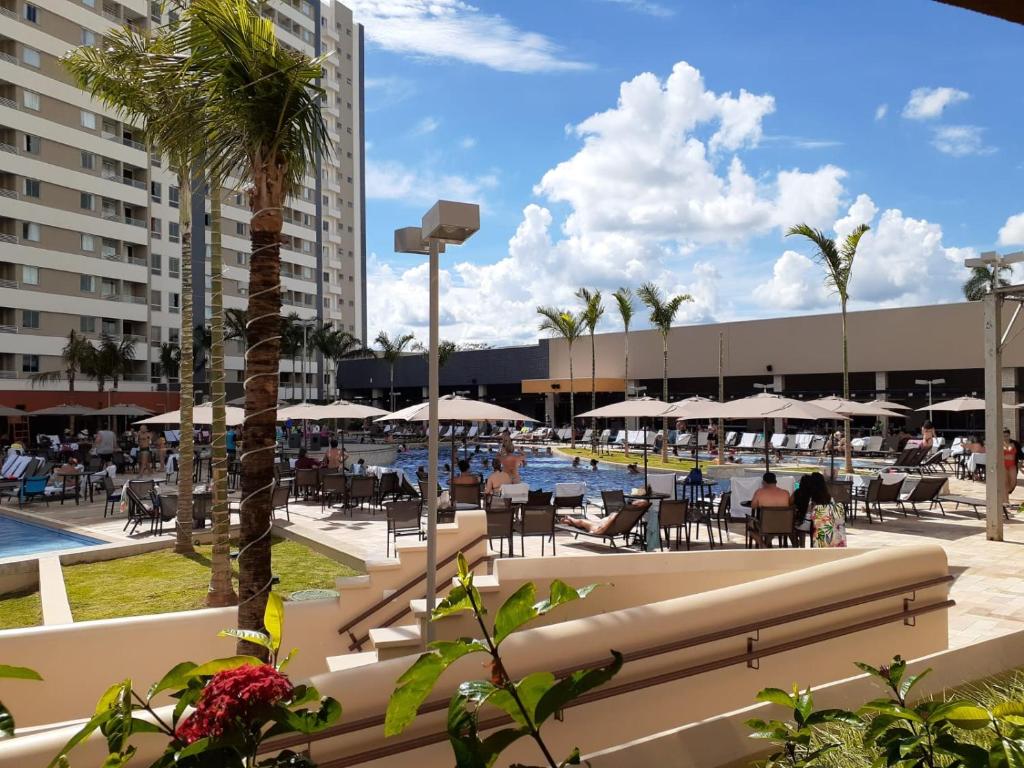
x: 334, y: 345
x: 261, y: 123
x: 139, y: 75
x: 837, y: 259
x: 593, y: 309
x: 984, y: 280
x: 663, y: 314
x: 562, y: 322
x: 234, y: 325
x: 111, y: 361
x: 346, y: 347
x: 76, y: 357
x: 292, y: 342
x: 391, y: 350
x: 221, y: 591
x: 169, y: 361
x: 624, y: 303
x: 445, y: 350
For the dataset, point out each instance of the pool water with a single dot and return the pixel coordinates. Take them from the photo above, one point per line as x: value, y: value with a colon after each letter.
x: 21, y: 538
x: 541, y: 471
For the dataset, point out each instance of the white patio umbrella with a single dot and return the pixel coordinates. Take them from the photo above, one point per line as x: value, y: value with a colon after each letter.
x: 853, y: 408
x: 9, y: 412
x: 201, y: 414
x: 456, y: 408
x: 339, y: 409
x: 638, y: 408
x: 959, y: 405
x: 890, y: 405
x: 65, y: 409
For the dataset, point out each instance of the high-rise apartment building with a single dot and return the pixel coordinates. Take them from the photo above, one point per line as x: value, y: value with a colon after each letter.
x: 89, y: 237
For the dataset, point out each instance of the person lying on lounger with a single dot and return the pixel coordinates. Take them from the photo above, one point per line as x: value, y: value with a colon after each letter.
x: 600, y: 527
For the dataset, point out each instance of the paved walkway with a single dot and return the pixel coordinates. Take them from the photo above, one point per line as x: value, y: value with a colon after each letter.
x: 989, y: 587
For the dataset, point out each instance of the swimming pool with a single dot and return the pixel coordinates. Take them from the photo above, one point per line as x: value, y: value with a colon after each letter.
x: 20, y: 538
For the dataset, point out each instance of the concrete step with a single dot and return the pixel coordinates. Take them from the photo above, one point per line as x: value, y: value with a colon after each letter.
x: 350, y: 660
x: 392, y: 638
x: 342, y: 583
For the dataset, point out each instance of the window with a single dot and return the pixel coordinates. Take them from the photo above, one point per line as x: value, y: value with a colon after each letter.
x: 173, y: 335
x: 173, y: 231
x: 87, y: 324
x: 88, y: 37
x: 327, y: 277
x: 30, y: 275
x: 154, y: 11
x: 31, y: 100
x: 156, y: 333
x: 30, y: 231
x: 156, y: 191
x: 29, y: 318
x: 86, y: 202
x: 31, y: 13
x: 110, y: 249
x: 87, y: 283
x: 88, y: 160
x: 174, y: 302
x: 307, y: 247
x: 89, y: 3
x: 154, y: 264
x: 88, y: 243
x: 30, y: 363
x: 32, y: 144
x: 155, y: 300
x: 88, y: 120
x: 173, y: 196
x: 30, y: 56
x: 156, y: 227
x: 31, y: 187
x: 240, y: 228
x: 174, y: 266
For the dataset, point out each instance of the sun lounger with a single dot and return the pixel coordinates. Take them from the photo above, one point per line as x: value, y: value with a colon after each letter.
x: 702, y: 439
x: 683, y: 439
x: 605, y: 437
x: 586, y: 436
x: 779, y: 441
x: 873, y: 444
x: 747, y: 440
x: 473, y: 431
x: 663, y: 482
x: 818, y: 443
x: 802, y: 442
x: 731, y: 438
x: 570, y: 496
x: 626, y: 520
x: 926, y: 491
x: 968, y: 501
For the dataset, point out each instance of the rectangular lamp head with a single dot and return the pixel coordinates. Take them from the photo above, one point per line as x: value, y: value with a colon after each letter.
x: 410, y: 240
x: 451, y: 222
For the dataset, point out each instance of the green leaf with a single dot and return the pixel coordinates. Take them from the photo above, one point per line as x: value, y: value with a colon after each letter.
x: 220, y: 665
x: 463, y: 568
x: 574, y: 686
x: 777, y: 696
x: 119, y: 759
x: 84, y: 732
x: 110, y: 696
x: 476, y: 691
x: 515, y: 612
x: 1008, y: 708
x: 910, y: 682
x: 963, y: 715
x: 273, y: 620
x: 18, y: 673
x: 833, y: 716
x: 572, y: 759
x: 303, y: 721
x: 176, y: 678
x: 885, y: 706
x: 249, y: 635
x: 287, y: 659
x: 561, y: 593
x: 416, y: 683
x: 530, y: 690
x: 457, y: 601
x: 6, y: 723
x: 492, y: 747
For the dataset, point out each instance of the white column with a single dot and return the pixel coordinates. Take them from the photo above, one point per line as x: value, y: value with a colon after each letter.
x: 481, y: 391
x: 995, y: 472
x: 549, y: 408
x: 778, y: 385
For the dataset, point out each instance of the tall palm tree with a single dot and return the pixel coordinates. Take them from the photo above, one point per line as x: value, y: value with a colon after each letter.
x: 221, y: 591
x: 292, y: 342
x: 984, y: 280
x: 663, y: 313
x: 262, y: 123
x: 445, y: 350
x: 569, y: 326
x: 75, y: 357
x: 593, y: 310
x: 139, y: 75
x: 113, y: 359
x: 624, y: 303
x: 169, y: 361
x: 234, y: 325
x: 346, y: 347
x: 334, y: 345
x: 391, y: 351
x: 837, y: 259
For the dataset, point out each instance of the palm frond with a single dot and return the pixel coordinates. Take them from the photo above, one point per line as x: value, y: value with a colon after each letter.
x: 561, y: 322
x: 662, y: 311
x: 624, y: 303
x: 593, y: 308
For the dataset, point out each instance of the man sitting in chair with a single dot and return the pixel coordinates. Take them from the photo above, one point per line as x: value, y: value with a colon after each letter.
x: 769, y: 494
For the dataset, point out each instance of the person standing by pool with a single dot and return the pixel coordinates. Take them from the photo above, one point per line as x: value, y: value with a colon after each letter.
x: 1011, y: 460
x: 105, y: 441
x: 511, y: 462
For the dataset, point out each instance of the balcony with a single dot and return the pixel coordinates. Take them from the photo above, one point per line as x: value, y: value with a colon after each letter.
x: 8, y: 58
x: 6, y: 328
x: 5, y: 102
x: 8, y: 375
x: 5, y: 238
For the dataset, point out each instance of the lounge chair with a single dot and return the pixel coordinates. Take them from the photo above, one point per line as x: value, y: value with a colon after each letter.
x: 388, y: 487
x: 818, y: 443
x: 586, y: 436
x: 926, y: 491
x: 663, y: 483
x: 683, y: 439
x: 702, y: 440
x: 473, y: 431
x: 802, y: 442
x: 626, y: 520
x: 731, y: 438
x: 747, y: 441
x: 780, y: 441
x: 32, y: 488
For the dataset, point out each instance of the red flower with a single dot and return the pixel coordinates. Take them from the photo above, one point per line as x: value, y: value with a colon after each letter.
x: 230, y: 699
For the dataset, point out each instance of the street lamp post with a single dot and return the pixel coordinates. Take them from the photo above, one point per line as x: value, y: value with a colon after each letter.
x: 454, y: 223
x: 929, y: 383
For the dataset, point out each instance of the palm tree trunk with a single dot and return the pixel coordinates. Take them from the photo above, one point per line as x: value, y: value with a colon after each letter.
x: 572, y: 403
x: 221, y: 591
x: 847, y: 448
x: 664, y: 396
x: 625, y: 394
x: 593, y: 389
x: 391, y: 386
x: 186, y: 445
x: 262, y: 359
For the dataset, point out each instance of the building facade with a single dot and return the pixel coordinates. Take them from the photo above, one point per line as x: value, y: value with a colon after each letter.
x: 89, y: 235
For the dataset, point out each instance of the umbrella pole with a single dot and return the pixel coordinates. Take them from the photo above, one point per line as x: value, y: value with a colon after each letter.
x: 764, y: 434
x: 646, y: 486
x: 832, y: 452
x: 451, y: 463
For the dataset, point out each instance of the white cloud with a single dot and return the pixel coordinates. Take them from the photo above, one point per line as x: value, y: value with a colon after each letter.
x: 456, y: 30
x: 961, y: 140
x: 881, y: 111
x: 426, y: 125
x: 395, y: 181
x: 655, y: 191
x: 383, y: 92
x: 1012, y: 232
x: 645, y: 7
x: 862, y: 211
x: 467, y: 142
x: 797, y: 282
x: 928, y: 103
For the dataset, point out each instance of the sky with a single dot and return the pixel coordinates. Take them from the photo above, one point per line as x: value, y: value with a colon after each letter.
x: 614, y: 142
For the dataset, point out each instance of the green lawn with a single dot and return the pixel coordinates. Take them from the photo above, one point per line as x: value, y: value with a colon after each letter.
x: 161, y: 582
x: 20, y: 609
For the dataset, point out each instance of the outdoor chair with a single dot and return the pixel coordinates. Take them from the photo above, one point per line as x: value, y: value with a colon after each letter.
x: 706, y: 515
x: 142, y: 488
x: 279, y: 500
x: 926, y: 491
x: 403, y: 520
x: 162, y: 515
x: 769, y: 523
x: 335, y: 488
x: 934, y: 463
x: 363, y: 489
x: 70, y: 488
x: 570, y: 496
x: 202, y: 505
x: 138, y: 511
x: 465, y: 496
x: 113, y: 495
x: 499, y: 523
x: 841, y: 492
x: 536, y: 521
x: 538, y: 498
x: 387, y: 487
x: 307, y: 483
x: 612, y: 501
x: 672, y: 515
x: 32, y: 488
x: 882, y: 493
x: 626, y: 521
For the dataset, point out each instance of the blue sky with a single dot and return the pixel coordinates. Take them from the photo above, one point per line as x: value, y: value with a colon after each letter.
x: 611, y: 142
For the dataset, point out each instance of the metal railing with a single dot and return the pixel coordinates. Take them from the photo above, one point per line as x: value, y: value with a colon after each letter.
x: 8, y: 375
x: 5, y: 102
x: 134, y: 222
x: 8, y: 193
x: 4, y: 56
x: 9, y: 148
x: 133, y: 182
x: 7, y: 328
x: 751, y: 657
x: 8, y: 283
x: 132, y: 143
x: 9, y: 13
x: 5, y: 238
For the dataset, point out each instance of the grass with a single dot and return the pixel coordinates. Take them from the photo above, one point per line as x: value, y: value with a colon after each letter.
x: 163, y: 582
x: 20, y: 609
